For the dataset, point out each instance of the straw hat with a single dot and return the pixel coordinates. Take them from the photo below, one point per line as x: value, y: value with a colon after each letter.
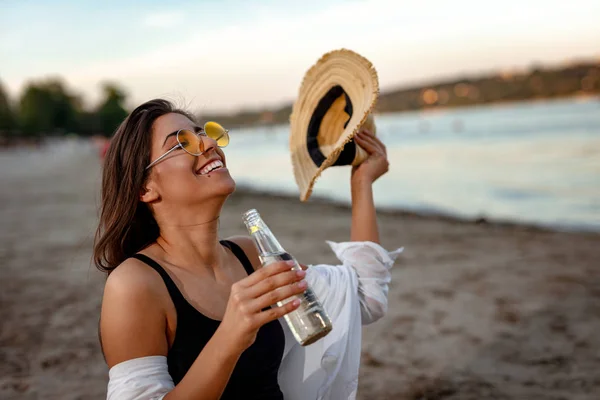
x: 335, y: 101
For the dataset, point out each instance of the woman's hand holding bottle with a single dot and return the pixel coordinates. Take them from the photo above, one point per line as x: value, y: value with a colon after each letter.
x: 246, y: 313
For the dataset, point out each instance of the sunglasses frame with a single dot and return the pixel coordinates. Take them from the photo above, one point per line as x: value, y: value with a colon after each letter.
x: 178, y: 145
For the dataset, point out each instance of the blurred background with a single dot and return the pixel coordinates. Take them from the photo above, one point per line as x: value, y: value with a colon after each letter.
x: 491, y: 116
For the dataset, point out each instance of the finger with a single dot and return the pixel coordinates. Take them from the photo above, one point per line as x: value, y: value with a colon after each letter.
x: 274, y: 313
x: 265, y: 272
x: 378, y: 146
x: 274, y: 282
x: 271, y: 298
x: 304, y: 267
x: 367, y: 144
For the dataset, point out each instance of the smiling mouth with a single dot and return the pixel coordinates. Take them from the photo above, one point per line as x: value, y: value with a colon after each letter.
x: 211, y: 166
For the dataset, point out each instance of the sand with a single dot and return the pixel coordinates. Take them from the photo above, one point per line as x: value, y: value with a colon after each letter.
x: 476, y: 310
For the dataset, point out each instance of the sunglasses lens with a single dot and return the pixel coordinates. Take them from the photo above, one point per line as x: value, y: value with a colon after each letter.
x: 216, y: 132
x: 190, y: 142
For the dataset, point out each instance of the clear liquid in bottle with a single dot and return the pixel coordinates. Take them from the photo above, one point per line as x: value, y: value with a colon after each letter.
x: 309, y: 322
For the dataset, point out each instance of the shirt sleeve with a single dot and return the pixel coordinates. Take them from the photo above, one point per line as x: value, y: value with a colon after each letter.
x: 372, y: 264
x: 354, y: 293
x: 144, y: 378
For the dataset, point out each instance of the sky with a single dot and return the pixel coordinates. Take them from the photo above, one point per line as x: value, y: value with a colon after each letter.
x: 211, y: 55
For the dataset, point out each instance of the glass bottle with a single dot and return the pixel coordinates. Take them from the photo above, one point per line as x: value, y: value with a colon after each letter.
x: 309, y: 322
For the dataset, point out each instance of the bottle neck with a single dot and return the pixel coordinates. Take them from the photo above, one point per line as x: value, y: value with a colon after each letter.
x: 262, y: 236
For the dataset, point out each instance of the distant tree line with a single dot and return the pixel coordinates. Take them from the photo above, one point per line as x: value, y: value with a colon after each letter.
x: 49, y: 108
x: 577, y: 79
x: 581, y: 79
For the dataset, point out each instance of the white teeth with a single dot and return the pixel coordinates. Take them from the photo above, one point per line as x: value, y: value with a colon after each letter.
x: 211, y: 166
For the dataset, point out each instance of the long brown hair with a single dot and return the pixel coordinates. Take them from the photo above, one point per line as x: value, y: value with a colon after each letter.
x: 126, y: 224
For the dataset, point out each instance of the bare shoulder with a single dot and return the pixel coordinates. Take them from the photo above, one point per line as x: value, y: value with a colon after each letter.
x: 132, y: 278
x: 246, y: 243
x: 133, y: 316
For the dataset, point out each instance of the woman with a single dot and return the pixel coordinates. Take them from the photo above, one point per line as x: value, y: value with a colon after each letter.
x: 176, y: 293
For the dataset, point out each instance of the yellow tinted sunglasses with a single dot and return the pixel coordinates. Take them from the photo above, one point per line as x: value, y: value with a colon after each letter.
x: 192, y: 142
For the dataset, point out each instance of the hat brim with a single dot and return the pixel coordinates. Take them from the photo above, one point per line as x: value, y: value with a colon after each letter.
x: 358, y: 78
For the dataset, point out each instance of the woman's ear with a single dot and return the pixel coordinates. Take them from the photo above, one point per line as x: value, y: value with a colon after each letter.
x: 148, y: 195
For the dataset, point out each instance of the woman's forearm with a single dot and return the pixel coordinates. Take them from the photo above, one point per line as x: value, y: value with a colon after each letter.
x: 364, y: 219
x: 209, y: 374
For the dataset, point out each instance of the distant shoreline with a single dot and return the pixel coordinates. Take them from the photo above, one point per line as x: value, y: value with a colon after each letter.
x: 543, y: 83
x: 403, y: 209
x: 36, y: 141
x: 501, y: 103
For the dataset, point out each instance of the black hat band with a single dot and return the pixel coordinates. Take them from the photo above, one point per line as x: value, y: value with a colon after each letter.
x: 347, y: 155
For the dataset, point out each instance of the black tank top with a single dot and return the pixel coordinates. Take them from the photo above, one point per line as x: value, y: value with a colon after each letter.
x: 255, y: 374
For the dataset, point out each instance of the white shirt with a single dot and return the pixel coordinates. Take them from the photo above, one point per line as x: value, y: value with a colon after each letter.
x: 326, y: 369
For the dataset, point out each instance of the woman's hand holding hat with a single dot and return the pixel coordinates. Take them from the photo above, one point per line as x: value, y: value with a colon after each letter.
x: 376, y: 164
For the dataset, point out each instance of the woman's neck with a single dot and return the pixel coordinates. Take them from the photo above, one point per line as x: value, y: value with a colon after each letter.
x: 192, y: 244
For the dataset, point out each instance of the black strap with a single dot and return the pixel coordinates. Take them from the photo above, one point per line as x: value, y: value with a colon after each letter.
x: 239, y: 253
x: 174, y: 292
x: 312, y: 144
x: 176, y: 295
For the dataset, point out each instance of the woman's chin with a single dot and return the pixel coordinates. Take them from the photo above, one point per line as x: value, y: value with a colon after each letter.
x: 231, y: 187
x: 225, y: 185
x: 218, y: 192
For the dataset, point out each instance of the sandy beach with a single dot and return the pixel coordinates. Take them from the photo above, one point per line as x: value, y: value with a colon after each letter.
x: 476, y: 310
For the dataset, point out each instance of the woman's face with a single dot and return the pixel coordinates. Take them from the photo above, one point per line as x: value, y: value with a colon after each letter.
x: 181, y: 179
